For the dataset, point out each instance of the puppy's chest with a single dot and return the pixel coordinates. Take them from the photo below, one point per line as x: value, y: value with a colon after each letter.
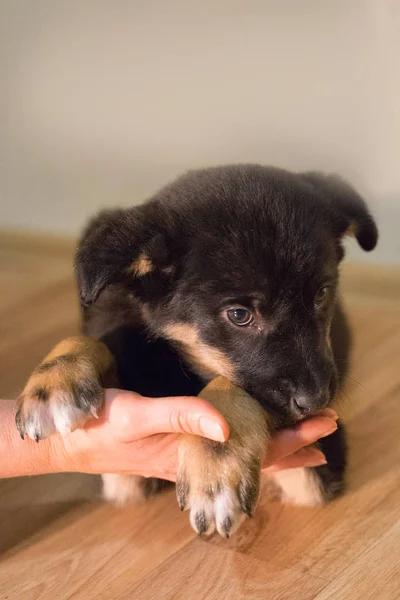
x: 150, y: 367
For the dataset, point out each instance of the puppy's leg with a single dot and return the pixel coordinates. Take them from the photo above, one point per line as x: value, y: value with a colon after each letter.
x: 65, y: 389
x: 63, y: 392
x: 120, y: 489
x: 219, y: 482
x: 318, y: 485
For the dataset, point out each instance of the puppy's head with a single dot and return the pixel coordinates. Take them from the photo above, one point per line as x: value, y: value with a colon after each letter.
x: 237, y: 266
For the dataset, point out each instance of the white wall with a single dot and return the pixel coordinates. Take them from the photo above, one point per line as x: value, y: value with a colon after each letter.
x: 102, y: 102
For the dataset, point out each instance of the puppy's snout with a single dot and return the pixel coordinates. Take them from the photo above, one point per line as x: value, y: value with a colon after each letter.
x: 300, y: 402
x: 285, y: 386
x: 302, y: 405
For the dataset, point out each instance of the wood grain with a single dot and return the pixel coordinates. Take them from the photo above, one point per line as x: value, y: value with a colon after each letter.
x: 57, y: 540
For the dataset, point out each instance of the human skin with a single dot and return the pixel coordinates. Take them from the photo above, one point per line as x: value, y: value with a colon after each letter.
x: 140, y: 436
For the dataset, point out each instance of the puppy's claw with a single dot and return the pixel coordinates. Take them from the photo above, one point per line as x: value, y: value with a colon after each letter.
x: 246, y: 507
x: 202, y: 517
x: 248, y: 490
x: 227, y: 526
x: 94, y: 412
x: 201, y: 522
x: 182, y: 492
x: 18, y: 422
x: 220, y: 511
x: 20, y: 428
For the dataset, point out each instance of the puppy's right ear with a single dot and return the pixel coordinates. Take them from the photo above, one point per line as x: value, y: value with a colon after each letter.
x: 120, y: 244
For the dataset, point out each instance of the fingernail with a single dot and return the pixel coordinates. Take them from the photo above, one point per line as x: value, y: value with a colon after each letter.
x: 328, y: 432
x: 211, y: 429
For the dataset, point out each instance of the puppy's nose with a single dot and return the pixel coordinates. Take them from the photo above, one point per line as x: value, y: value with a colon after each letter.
x: 302, y: 405
x: 300, y: 402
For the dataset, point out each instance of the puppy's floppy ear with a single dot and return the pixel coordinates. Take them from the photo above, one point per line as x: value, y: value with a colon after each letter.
x: 351, y: 215
x: 119, y: 245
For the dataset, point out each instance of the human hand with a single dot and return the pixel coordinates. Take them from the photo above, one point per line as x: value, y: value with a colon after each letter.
x: 140, y: 436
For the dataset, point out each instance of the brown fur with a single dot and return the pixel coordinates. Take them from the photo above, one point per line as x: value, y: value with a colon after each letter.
x: 205, y: 359
x: 352, y: 230
x: 227, y: 474
x: 141, y: 266
x: 67, y: 383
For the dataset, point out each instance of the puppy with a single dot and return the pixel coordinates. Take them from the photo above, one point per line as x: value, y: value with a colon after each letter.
x: 229, y: 277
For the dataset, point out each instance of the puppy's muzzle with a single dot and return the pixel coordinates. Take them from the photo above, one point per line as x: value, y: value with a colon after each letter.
x: 300, y: 402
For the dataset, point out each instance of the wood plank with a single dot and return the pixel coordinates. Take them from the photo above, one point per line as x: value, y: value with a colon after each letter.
x: 375, y: 575
x: 201, y: 571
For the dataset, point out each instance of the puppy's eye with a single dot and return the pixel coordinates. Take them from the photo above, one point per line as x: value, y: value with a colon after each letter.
x: 240, y: 316
x: 321, y: 296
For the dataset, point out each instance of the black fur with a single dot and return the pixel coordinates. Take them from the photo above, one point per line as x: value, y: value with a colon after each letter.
x: 261, y: 238
x: 42, y: 394
x: 332, y: 474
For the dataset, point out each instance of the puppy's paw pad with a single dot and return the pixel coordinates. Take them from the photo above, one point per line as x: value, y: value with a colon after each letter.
x: 59, y: 397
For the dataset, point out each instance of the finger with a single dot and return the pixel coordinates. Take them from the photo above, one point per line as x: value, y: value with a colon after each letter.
x: 306, y: 457
x: 328, y: 412
x: 139, y: 417
x: 184, y: 415
x: 291, y: 440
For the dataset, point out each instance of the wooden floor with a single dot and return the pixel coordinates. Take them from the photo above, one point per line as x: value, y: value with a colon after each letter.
x: 58, y: 541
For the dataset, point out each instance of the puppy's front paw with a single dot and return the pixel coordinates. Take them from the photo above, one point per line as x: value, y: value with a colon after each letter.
x: 61, y: 394
x: 218, y: 483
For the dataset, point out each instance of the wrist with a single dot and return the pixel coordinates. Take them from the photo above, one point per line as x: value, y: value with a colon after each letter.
x: 25, y: 457
x: 74, y: 454
x: 58, y: 455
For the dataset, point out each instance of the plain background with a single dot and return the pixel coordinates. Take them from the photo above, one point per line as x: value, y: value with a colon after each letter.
x: 103, y: 102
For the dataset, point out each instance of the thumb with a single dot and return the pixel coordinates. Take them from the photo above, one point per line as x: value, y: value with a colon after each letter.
x: 139, y: 417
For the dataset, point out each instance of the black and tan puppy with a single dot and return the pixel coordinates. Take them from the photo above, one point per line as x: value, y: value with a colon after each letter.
x: 228, y: 275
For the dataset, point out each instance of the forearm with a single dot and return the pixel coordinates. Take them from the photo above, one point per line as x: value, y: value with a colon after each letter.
x: 25, y: 457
